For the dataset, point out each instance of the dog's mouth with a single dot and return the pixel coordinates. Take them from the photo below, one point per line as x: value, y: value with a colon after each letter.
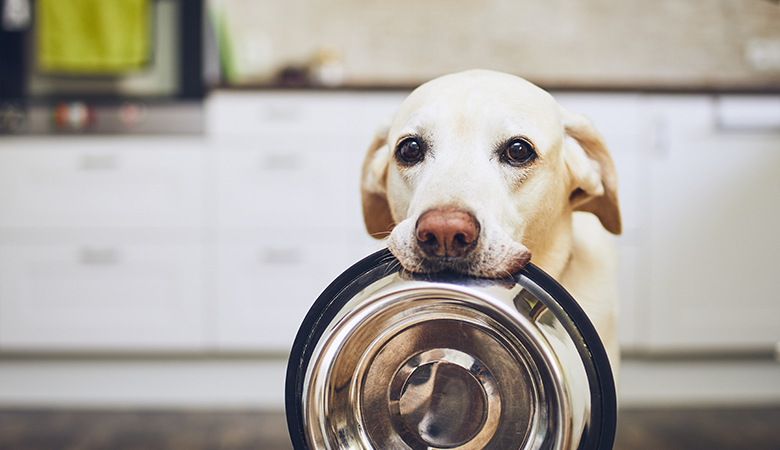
x: 440, y: 264
x: 498, y: 261
x: 453, y: 240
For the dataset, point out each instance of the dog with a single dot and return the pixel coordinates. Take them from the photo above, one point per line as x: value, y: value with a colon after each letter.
x: 480, y: 172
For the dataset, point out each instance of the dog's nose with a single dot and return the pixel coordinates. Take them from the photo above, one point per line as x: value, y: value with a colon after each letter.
x: 447, y: 232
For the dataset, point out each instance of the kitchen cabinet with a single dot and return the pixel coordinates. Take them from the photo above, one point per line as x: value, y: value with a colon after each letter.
x: 68, y: 181
x: 101, y: 244
x: 212, y: 243
x: 92, y: 297
x: 222, y: 242
x: 273, y: 181
x: 700, y: 198
x: 268, y: 282
x: 715, y: 213
x: 289, y: 218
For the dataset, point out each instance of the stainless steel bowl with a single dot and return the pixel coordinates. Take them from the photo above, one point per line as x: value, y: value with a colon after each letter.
x: 390, y: 360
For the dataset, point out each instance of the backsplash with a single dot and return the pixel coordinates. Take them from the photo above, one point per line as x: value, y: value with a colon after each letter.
x: 664, y: 44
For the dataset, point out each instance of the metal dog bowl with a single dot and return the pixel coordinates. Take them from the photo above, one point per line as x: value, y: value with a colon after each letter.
x: 386, y: 360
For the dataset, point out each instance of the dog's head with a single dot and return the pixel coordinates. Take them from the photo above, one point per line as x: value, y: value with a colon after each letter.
x: 479, y: 169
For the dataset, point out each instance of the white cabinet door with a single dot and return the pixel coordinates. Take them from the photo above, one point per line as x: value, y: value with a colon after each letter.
x: 269, y: 279
x: 714, y: 231
x: 234, y: 113
x: 101, y: 243
x: 101, y: 182
x: 281, y: 181
x: 288, y: 207
x: 98, y: 297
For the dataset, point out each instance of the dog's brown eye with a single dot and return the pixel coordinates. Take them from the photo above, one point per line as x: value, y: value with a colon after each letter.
x: 410, y: 151
x: 518, y: 152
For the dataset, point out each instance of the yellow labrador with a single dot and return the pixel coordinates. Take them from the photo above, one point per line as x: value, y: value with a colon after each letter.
x: 480, y: 172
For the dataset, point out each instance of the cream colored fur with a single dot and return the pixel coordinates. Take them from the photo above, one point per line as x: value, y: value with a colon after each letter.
x: 561, y: 207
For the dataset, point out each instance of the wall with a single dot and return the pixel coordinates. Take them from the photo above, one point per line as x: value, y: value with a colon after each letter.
x: 666, y: 44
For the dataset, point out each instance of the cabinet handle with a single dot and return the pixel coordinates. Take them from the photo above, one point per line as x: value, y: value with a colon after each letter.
x: 280, y: 256
x: 278, y: 161
x: 99, y: 256
x: 282, y: 113
x: 661, y: 137
x: 98, y: 162
x: 777, y: 351
x: 747, y: 113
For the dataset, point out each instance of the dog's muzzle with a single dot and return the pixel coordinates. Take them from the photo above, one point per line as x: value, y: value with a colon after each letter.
x: 453, y: 240
x: 388, y: 360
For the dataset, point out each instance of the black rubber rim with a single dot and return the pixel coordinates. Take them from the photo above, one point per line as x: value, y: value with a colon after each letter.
x: 600, y: 435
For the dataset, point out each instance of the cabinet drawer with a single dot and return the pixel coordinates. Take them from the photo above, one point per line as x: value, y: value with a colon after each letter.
x: 277, y: 182
x: 266, y: 285
x: 715, y: 203
x: 291, y: 112
x: 101, y: 297
x: 101, y: 182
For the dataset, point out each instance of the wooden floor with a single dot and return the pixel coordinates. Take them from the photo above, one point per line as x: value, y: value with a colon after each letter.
x: 717, y: 429
x: 694, y: 429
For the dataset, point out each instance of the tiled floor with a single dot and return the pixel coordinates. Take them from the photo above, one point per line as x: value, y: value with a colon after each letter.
x: 706, y: 429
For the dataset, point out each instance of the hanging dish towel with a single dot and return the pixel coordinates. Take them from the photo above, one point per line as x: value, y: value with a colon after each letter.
x: 92, y: 37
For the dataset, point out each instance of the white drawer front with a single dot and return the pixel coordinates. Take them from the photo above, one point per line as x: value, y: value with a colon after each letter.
x: 275, y: 181
x: 101, y: 182
x: 266, y: 286
x: 100, y: 297
x: 296, y: 112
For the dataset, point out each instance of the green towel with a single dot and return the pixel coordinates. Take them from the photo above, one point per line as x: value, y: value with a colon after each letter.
x: 95, y: 37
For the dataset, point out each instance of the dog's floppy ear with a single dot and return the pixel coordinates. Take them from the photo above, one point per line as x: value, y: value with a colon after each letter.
x: 594, y: 179
x: 373, y: 186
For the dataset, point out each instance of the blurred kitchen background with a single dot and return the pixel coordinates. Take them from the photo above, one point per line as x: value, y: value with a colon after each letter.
x: 179, y: 180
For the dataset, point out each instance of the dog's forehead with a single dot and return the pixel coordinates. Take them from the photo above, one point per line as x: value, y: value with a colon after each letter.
x: 478, y: 100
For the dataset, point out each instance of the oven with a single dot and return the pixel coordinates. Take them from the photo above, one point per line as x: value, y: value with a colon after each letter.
x: 90, y: 66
